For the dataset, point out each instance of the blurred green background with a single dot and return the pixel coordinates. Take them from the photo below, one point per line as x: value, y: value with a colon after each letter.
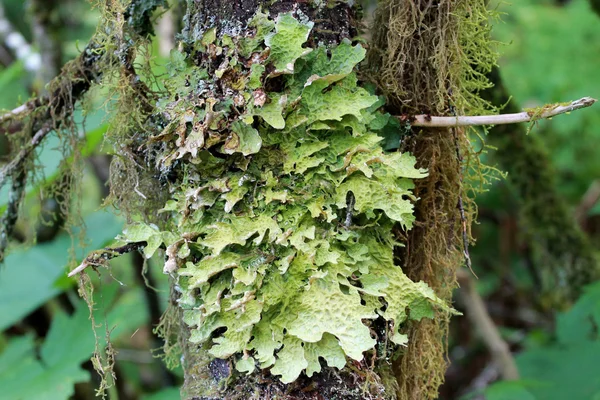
x: 551, y: 53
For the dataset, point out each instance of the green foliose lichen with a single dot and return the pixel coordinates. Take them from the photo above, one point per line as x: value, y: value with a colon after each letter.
x: 283, y: 201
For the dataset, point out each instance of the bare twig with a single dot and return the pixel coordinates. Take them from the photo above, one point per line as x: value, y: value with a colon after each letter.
x: 481, y: 320
x: 461, y: 208
x: 100, y: 257
x: 9, y: 218
x: 486, y: 377
x: 17, y: 162
x: 525, y: 116
x: 589, y: 200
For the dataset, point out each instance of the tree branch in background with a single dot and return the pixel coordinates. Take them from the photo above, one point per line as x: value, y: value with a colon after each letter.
x: 9, y: 218
x: 589, y: 200
x: 100, y: 257
x: 547, y: 111
x: 17, y: 162
x: 16, y: 43
x: 20, y: 111
x: 477, y: 313
x: 45, y: 29
x: 166, y: 29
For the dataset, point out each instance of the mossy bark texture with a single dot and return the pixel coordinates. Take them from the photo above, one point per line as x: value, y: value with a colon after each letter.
x: 431, y: 57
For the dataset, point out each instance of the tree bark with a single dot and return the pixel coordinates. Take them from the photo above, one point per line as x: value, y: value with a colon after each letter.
x: 208, y: 378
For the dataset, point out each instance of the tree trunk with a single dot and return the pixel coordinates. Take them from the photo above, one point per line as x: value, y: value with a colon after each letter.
x: 210, y: 378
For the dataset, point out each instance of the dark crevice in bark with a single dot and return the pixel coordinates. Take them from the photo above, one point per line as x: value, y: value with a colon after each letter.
x: 231, y: 17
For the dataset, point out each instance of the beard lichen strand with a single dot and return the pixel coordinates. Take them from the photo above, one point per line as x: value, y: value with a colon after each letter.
x: 432, y: 58
x: 258, y: 140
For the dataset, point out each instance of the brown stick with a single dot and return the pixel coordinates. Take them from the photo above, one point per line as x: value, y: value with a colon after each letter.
x: 589, y: 200
x: 481, y: 320
x: 101, y: 256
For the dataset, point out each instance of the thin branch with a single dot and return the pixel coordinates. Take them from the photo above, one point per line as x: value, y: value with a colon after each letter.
x: 21, y: 110
x: 481, y: 320
x: 461, y: 208
x: 589, y: 200
x: 9, y: 218
x: 100, y: 257
x: 549, y: 111
x: 13, y: 39
x: 16, y: 163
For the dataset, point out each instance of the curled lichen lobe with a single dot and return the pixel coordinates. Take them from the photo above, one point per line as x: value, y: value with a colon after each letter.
x: 283, y: 201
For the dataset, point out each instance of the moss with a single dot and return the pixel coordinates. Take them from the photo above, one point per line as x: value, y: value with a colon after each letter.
x: 433, y: 59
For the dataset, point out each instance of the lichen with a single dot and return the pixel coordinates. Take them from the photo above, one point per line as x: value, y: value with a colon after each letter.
x: 282, y: 202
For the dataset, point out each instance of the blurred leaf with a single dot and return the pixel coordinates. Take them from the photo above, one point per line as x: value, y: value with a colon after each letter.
x: 73, y: 333
x: 508, y: 390
x: 570, y: 373
x: 166, y: 394
x: 568, y: 368
x: 28, y: 279
x: 69, y: 343
x: 581, y: 323
x: 12, y: 85
x: 49, y: 156
x: 553, y: 56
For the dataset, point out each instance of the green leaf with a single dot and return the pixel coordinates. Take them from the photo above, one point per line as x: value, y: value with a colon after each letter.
x: 272, y: 111
x: 329, y: 349
x: 580, y: 323
x: 70, y: 342
x: 12, y: 85
x: 562, y: 373
x: 201, y: 272
x: 37, y: 268
x: 245, y: 365
x: 165, y: 394
x: 209, y: 37
x: 58, y: 370
x: 264, y: 344
x: 143, y: 233
x: 343, y: 59
x: 255, y: 78
x: 509, y: 390
x: 567, y: 368
x: 68, y: 332
x: 263, y: 26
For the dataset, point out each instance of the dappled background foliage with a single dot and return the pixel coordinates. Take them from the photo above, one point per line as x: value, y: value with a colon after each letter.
x: 551, y: 54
